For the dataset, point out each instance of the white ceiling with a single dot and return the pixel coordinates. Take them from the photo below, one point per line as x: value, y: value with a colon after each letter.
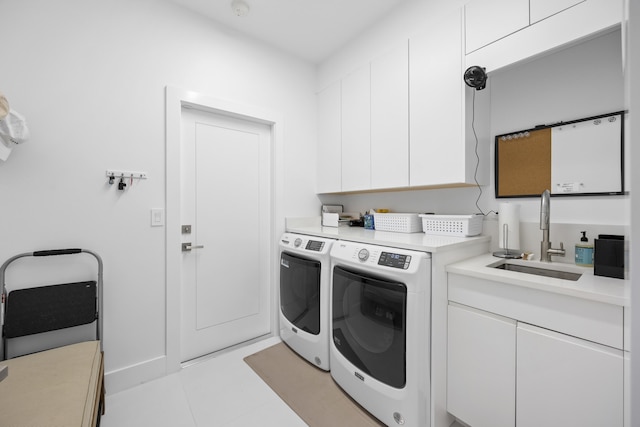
x: 309, y: 29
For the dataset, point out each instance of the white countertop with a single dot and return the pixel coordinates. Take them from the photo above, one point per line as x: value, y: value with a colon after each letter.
x: 414, y: 241
x: 588, y: 286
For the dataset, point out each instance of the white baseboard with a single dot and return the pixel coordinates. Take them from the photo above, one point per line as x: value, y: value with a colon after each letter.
x: 125, y: 378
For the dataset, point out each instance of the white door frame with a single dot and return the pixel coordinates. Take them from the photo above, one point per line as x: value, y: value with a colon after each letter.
x: 175, y: 99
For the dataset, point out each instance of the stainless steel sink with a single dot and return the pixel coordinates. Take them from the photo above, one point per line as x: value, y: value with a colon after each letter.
x: 558, y: 274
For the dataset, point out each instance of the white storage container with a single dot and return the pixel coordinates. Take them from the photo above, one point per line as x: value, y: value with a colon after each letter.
x: 398, y: 222
x: 452, y: 225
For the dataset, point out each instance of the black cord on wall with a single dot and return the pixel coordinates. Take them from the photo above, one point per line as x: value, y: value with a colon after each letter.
x: 475, y: 175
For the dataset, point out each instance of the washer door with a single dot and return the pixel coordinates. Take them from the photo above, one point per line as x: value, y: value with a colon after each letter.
x: 300, y: 292
x: 369, y: 324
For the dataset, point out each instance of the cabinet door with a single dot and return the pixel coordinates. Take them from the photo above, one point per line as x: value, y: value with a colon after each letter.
x: 436, y: 114
x: 490, y: 20
x: 329, y: 153
x: 540, y: 9
x: 562, y: 381
x: 481, y: 367
x: 390, y: 119
x: 582, y: 20
x: 356, y: 130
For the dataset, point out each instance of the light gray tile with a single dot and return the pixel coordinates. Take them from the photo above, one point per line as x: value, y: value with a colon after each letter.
x: 159, y: 403
x: 220, y: 391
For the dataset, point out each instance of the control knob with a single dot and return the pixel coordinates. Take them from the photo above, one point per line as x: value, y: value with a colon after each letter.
x: 363, y: 255
x: 297, y: 242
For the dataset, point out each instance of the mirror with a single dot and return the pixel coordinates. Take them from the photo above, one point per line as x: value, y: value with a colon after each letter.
x: 577, y: 158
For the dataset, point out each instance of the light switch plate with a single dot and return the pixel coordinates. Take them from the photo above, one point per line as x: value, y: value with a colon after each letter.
x: 157, y: 217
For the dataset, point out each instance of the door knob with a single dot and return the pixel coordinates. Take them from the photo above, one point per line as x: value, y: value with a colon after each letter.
x: 186, y: 247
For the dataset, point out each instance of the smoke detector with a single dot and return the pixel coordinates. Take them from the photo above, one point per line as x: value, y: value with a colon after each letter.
x: 240, y: 7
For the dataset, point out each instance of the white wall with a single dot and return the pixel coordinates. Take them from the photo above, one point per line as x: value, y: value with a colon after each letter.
x: 90, y: 78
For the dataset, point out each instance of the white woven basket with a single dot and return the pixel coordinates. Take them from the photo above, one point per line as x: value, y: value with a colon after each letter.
x: 397, y: 222
x: 452, y: 225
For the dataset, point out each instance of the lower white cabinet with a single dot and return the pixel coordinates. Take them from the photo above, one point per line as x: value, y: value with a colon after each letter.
x: 502, y: 372
x: 566, y: 381
x: 481, y: 367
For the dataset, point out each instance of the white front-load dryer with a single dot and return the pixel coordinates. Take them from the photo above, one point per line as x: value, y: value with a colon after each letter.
x: 304, y: 296
x: 380, y: 314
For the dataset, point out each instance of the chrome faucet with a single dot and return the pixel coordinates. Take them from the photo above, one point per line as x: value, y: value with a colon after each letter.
x: 546, y: 251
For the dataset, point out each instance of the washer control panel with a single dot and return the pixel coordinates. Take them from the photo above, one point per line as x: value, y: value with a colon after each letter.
x: 385, y: 260
x: 394, y: 260
x: 382, y: 258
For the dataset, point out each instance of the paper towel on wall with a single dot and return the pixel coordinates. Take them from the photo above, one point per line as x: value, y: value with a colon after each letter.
x: 509, y: 226
x: 13, y: 131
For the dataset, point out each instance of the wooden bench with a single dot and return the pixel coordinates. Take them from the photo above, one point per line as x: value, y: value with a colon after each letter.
x: 58, y: 387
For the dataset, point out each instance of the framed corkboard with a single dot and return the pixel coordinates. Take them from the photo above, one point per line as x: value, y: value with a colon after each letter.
x: 577, y: 158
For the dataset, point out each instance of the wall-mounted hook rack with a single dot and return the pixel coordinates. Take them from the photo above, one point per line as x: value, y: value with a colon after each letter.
x: 126, y: 174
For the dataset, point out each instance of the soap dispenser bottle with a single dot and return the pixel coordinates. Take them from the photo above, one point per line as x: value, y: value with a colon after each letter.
x: 584, y: 251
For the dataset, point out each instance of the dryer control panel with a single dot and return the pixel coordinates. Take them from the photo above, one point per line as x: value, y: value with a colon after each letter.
x: 298, y: 243
x: 314, y: 245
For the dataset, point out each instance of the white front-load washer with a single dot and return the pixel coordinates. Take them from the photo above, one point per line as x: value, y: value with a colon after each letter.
x: 304, y: 296
x: 380, y: 310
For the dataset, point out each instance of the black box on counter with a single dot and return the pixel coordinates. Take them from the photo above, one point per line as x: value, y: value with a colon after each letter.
x: 609, y: 256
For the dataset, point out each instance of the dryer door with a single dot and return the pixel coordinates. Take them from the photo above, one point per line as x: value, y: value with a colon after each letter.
x: 300, y: 292
x: 369, y: 324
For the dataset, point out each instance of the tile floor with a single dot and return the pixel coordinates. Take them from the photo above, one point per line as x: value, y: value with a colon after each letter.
x: 222, y: 391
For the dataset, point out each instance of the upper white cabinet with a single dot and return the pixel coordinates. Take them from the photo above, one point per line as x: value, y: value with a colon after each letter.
x: 489, y: 20
x: 442, y: 144
x: 541, y: 9
x: 363, y: 127
x: 329, y: 153
x: 390, y: 119
x: 356, y: 130
x: 405, y: 118
x: 548, y: 25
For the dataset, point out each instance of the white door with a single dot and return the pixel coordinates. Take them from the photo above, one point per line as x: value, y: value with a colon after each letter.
x: 225, y: 198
